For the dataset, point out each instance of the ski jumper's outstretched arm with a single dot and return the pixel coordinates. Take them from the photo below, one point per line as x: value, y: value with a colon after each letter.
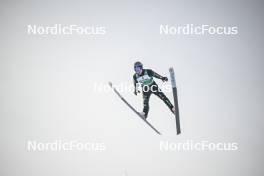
x: 156, y: 75
x: 135, y: 85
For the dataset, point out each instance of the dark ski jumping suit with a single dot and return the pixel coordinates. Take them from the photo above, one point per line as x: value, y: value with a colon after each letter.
x: 149, y: 86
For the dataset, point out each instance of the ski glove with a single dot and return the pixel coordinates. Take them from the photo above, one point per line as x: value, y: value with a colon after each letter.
x: 164, y: 79
x: 136, y: 92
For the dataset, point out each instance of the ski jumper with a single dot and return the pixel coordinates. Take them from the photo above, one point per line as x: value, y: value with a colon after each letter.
x: 149, y: 86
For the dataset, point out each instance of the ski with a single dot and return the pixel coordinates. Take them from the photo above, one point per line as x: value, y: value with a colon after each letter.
x: 133, y: 109
x: 175, y: 97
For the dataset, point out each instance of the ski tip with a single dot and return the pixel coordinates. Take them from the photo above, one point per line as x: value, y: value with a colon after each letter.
x: 171, y: 69
x: 110, y: 84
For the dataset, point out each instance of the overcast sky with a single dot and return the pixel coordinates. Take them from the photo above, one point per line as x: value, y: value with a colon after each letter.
x: 47, y: 87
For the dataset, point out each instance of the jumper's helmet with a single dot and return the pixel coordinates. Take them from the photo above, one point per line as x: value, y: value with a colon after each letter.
x: 138, y: 66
